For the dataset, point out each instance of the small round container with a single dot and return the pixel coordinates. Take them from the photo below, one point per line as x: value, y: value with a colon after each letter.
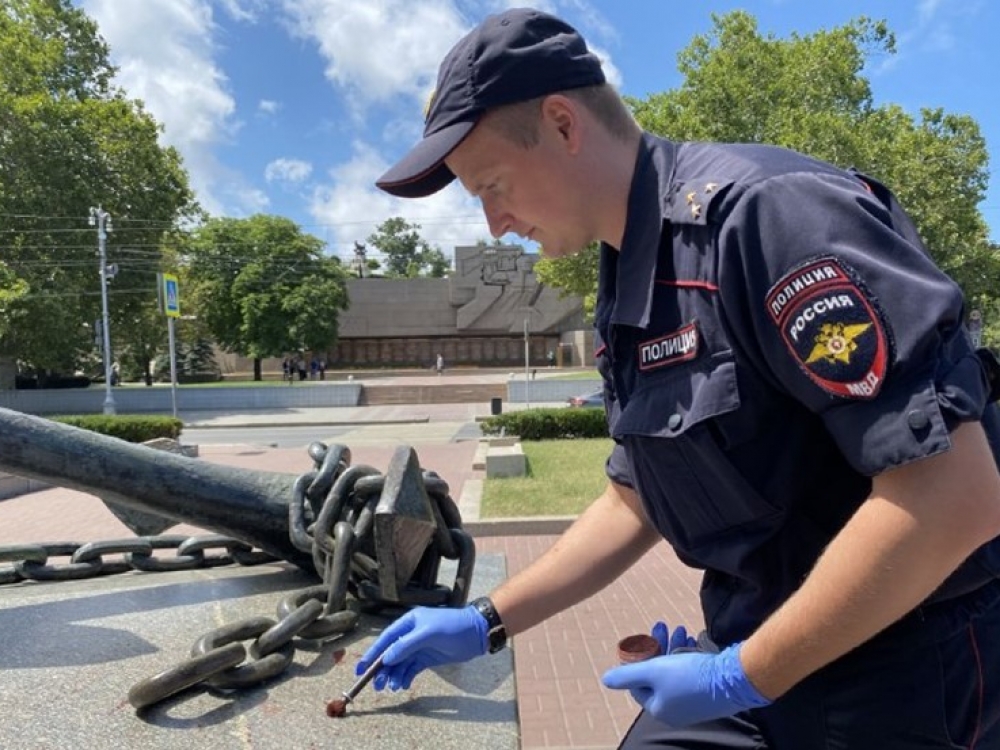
x: 636, y: 648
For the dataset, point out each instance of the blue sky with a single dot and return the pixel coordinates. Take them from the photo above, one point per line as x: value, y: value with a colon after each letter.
x: 295, y: 107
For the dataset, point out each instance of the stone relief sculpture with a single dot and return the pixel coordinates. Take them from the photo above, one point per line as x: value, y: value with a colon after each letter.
x: 495, y: 289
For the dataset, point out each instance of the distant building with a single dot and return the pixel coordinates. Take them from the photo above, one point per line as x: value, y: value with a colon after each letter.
x: 477, y: 317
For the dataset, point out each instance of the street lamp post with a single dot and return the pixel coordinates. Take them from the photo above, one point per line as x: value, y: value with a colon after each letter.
x: 527, y: 353
x: 102, y: 220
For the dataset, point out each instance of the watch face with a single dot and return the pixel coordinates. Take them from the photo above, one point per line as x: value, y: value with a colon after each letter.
x: 497, y: 638
x: 496, y: 633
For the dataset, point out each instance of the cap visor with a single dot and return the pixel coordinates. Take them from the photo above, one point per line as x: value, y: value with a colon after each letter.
x: 423, y: 172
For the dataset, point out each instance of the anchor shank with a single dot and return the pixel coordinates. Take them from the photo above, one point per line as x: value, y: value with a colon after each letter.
x: 249, y: 505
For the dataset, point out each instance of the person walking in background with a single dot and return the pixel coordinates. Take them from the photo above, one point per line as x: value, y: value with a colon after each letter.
x: 795, y: 404
x: 439, y: 364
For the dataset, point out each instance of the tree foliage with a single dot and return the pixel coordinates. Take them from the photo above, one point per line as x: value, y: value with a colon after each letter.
x: 573, y: 274
x: 810, y: 93
x: 70, y: 141
x: 263, y: 288
x: 407, y: 254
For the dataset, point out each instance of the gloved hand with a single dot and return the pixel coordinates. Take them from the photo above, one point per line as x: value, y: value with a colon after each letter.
x: 688, y: 688
x: 670, y: 642
x: 425, y: 637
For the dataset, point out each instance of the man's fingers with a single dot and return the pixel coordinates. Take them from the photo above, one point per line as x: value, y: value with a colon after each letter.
x: 680, y: 639
x: 626, y: 677
x: 661, y: 633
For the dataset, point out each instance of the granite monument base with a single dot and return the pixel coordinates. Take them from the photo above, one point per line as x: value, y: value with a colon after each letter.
x: 72, y: 650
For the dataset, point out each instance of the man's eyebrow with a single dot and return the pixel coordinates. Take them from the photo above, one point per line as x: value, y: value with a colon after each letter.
x: 476, y: 188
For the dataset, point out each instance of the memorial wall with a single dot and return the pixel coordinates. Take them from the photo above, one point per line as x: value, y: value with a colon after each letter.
x: 477, y: 316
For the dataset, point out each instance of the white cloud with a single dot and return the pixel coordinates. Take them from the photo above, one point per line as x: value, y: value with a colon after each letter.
x: 243, y: 10
x: 350, y: 208
x: 375, y: 52
x: 934, y: 30
x: 166, y: 56
x: 268, y: 107
x: 249, y: 199
x: 287, y: 170
x: 381, y: 58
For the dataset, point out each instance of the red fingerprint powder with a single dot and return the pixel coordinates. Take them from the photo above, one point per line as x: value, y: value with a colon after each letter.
x: 336, y: 708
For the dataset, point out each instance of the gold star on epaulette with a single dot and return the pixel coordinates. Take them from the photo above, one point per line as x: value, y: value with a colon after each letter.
x: 691, y: 196
x: 696, y: 210
x: 710, y: 188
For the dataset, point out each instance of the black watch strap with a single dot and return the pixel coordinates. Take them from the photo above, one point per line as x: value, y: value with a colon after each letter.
x: 496, y: 632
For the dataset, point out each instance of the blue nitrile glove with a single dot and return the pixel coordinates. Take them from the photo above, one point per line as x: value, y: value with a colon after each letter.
x: 670, y: 642
x: 688, y: 688
x: 425, y: 637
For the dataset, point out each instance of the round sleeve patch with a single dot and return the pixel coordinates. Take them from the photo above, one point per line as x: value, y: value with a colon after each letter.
x: 832, y: 328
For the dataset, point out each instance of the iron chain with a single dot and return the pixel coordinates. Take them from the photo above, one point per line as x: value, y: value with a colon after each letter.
x: 332, y: 517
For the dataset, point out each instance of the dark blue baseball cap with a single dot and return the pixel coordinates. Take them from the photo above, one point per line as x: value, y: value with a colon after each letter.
x: 510, y: 57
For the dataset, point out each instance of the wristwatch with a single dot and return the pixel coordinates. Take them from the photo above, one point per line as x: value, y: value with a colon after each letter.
x: 496, y: 632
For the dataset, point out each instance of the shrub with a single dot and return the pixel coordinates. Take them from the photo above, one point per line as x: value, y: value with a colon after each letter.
x: 133, y: 428
x: 198, y: 377
x: 548, y: 424
x: 32, y: 382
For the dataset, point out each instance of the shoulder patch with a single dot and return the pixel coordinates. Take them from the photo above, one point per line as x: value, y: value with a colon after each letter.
x: 832, y: 326
x: 691, y: 201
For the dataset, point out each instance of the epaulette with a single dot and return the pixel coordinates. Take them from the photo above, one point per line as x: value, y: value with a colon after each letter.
x: 691, y: 202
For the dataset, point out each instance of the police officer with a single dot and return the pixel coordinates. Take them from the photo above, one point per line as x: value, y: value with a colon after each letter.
x: 795, y: 404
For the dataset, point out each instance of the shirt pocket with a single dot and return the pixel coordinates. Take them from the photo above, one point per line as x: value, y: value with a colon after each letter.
x: 692, y: 492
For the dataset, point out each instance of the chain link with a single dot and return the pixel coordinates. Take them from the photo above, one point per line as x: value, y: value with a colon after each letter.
x: 31, y: 561
x: 331, y: 516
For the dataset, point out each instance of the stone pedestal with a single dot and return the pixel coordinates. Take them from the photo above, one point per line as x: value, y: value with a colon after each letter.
x: 73, y: 649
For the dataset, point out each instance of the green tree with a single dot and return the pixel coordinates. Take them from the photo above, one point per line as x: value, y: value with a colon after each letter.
x: 69, y: 141
x: 407, y: 254
x: 573, y: 274
x: 11, y: 289
x: 809, y: 93
x: 146, y: 340
x: 263, y: 288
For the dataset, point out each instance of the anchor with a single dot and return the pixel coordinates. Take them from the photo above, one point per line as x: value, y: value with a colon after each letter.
x: 380, y: 536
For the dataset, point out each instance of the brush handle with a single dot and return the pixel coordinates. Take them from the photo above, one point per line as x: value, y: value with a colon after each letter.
x: 363, y: 680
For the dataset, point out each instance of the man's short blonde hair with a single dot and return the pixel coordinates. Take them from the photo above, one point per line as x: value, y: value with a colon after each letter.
x: 518, y: 122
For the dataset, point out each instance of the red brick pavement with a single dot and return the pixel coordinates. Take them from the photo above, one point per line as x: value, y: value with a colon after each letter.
x: 561, y: 702
x: 558, y: 665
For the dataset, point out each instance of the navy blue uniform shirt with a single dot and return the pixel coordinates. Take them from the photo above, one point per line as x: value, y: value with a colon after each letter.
x: 772, y: 334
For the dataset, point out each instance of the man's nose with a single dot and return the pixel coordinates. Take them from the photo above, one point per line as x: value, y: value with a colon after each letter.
x: 499, y: 221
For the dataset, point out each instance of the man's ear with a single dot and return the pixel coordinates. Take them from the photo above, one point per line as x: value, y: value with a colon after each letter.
x: 561, y: 114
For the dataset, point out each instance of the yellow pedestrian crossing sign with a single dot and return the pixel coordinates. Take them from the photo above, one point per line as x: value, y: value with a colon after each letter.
x: 170, y: 300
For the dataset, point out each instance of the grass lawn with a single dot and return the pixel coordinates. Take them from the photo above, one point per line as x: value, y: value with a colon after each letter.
x: 578, y: 375
x: 564, y: 477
